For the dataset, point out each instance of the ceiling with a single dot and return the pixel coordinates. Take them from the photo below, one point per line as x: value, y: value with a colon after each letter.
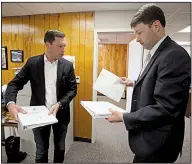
x: 114, y: 37
x: 177, y: 14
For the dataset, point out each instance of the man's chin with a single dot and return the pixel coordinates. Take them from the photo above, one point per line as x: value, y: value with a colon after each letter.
x: 60, y: 56
x: 146, y: 48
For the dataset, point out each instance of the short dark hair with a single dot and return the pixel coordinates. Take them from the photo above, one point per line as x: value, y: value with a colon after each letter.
x: 51, y: 34
x: 148, y: 14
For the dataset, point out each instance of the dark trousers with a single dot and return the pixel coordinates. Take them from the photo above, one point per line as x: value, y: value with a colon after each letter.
x: 41, y: 136
x: 157, y: 159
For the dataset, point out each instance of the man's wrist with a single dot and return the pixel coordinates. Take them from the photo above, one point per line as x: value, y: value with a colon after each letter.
x: 59, y: 104
x: 133, y: 83
x: 10, y: 102
x: 122, y: 117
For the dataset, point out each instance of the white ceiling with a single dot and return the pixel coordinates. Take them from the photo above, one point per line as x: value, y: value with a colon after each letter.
x: 177, y: 14
x: 114, y: 37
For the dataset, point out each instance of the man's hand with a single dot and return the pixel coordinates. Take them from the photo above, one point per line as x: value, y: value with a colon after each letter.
x: 115, y: 117
x: 54, y: 109
x: 126, y: 81
x: 14, y: 110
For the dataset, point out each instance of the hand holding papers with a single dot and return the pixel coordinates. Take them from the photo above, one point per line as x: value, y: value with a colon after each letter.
x: 36, y: 116
x: 100, y: 109
x: 109, y: 84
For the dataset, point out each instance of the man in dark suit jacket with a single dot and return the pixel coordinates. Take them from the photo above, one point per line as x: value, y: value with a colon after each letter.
x: 53, y: 84
x: 160, y: 95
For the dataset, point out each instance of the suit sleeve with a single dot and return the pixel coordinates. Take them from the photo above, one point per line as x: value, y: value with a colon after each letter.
x: 72, y: 88
x: 17, y: 83
x: 170, y: 93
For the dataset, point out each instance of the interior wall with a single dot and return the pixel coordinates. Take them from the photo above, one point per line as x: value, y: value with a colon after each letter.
x: 113, y: 58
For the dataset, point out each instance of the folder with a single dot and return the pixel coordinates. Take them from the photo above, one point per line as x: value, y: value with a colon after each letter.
x: 100, y: 109
x: 36, y: 116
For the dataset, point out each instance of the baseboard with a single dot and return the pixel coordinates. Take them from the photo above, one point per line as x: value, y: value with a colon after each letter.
x: 82, y: 139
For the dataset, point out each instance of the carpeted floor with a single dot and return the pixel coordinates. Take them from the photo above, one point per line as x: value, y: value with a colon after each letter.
x: 111, y: 146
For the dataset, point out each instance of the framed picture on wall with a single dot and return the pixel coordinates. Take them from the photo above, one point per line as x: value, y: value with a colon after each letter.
x: 17, y: 56
x: 4, y: 59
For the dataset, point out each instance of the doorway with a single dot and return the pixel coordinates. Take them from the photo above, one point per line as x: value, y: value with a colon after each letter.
x: 111, y: 46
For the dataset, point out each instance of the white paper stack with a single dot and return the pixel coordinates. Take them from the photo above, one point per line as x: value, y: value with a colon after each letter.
x: 100, y: 109
x: 109, y: 84
x: 36, y: 116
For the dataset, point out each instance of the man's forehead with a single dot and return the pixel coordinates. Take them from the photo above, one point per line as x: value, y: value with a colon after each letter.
x: 139, y: 26
x: 60, y: 40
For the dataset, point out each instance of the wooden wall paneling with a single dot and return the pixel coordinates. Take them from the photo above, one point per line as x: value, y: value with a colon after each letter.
x: 81, y: 121
x: 54, y: 21
x: 32, y: 34
x: 100, y: 59
x: 113, y: 55
x: 26, y: 38
x: 6, y: 41
x: 65, y: 23
x: 39, y: 35
x: 75, y: 52
x: 89, y: 66
x: 113, y: 58
x: 127, y: 60
x: 47, y: 25
x: 15, y: 41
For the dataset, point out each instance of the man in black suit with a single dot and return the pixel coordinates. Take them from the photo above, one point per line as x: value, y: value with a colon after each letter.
x: 160, y: 94
x: 53, y: 84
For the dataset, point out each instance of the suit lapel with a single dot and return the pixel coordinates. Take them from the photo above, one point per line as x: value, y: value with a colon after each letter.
x: 59, y: 74
x: 148, y: 66
x: 42, y: 74
x: 166, y: 40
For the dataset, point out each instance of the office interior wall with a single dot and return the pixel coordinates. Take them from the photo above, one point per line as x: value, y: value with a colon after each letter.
x: 113, y: 58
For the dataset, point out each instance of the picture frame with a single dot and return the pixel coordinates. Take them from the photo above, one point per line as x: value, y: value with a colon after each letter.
x: 4, y: 58
x: 17, y: 56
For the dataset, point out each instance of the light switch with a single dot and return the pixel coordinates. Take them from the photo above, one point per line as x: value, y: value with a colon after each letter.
x: 78, y: 79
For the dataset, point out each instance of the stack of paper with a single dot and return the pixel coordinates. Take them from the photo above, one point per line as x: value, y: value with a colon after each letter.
x: 100, y: 109
x: 36, y: 116
x: 109, y: 84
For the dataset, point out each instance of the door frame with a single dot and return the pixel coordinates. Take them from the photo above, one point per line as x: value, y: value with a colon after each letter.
x: 95, y: 64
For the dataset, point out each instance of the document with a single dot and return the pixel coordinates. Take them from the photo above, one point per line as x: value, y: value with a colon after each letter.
x: 36, y: 116
x: 100, y: 109
x: 109, y: 84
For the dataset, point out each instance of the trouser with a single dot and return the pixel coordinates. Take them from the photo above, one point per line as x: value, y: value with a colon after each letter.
x: 169, y: 158
x: 41, y: 136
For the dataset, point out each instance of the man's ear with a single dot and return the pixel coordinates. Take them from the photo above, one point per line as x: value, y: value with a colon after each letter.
x: 47, y: 44
x: 157, y: 25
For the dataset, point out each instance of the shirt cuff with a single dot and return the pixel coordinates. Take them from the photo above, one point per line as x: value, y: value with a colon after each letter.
x: 134, y: 83
x: 10, y: 102
x: 123, y: 120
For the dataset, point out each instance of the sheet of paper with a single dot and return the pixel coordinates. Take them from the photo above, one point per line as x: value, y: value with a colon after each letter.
x: 109, y: 84
x: 100, y: 109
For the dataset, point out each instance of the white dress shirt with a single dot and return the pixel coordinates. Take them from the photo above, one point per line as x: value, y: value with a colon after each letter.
x: 50, y: 71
